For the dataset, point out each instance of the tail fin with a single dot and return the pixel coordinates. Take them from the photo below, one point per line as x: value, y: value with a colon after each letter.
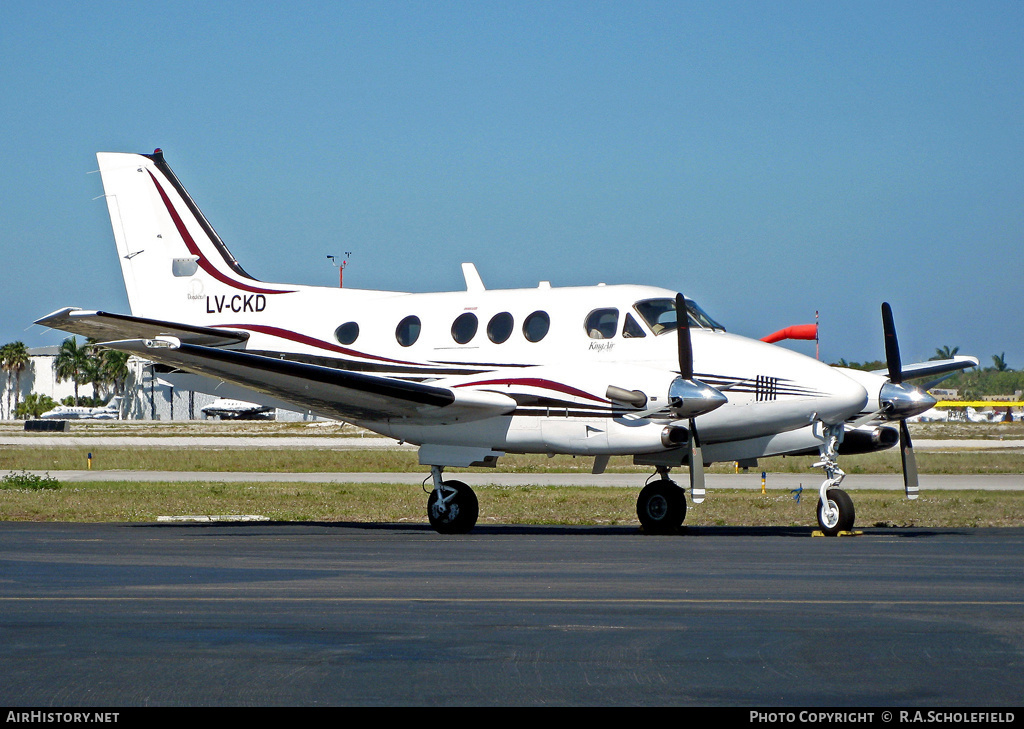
x: 174, y: 263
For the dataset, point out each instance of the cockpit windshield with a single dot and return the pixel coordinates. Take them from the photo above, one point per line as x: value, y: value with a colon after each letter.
x: 660, y: 315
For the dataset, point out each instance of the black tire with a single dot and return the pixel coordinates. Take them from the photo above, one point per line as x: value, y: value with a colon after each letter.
x: 844, y: 521
x: 462, y: 512
x: 661, y: 507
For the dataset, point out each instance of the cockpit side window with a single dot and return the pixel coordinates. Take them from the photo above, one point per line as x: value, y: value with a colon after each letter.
x: 602, y: 323
x: 700, y: 317
x: 631, y: 329
x: 660, y: 315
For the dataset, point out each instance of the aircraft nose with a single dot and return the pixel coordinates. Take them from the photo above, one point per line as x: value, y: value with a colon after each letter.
x: 844, y: 398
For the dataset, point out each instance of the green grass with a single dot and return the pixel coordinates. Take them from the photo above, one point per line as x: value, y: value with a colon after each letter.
x: 129, y: 501
x: 277, y: 460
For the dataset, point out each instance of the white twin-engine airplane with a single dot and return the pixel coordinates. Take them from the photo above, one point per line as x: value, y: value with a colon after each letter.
x: 471, y: 375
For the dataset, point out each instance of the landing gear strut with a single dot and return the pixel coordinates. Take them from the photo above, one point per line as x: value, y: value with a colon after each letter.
x: 835, y: 507
x: 661, y: 506
x: 452, y: 507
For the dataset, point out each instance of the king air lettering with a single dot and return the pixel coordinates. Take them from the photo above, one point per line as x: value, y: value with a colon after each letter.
x: 237, y: 303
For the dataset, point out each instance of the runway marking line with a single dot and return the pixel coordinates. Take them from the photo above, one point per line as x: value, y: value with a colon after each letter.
x: 524, y: 600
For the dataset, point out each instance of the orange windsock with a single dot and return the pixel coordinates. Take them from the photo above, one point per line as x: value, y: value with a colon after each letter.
x: 799, y: 331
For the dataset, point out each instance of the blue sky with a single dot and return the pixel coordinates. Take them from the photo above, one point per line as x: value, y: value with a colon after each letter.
x: 768, y: 159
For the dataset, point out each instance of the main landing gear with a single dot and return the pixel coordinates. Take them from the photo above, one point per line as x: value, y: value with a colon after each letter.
x: 452, y: 507
x: 835, y: 507
x: 661, y: 506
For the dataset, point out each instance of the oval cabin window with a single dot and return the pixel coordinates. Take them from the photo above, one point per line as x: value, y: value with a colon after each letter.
x: 408, y: 331
x: 536, y: 326
x: 347, y: 332
x: 499, y: 328
x: 464, y: 328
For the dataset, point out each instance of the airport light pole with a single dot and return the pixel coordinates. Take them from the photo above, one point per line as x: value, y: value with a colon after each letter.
x: 341, y: 268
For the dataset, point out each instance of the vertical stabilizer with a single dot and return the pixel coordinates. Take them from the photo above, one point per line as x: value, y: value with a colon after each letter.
x: 174, y: 263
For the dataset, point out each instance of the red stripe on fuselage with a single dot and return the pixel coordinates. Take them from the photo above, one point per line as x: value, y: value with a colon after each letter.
x: 537, y: 382
x: 312, y: 342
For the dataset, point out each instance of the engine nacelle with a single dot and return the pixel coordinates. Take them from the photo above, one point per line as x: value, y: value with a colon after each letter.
x: 868, y: 440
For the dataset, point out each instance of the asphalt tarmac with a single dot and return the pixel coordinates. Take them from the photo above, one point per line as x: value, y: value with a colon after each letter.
x: 269, y: 614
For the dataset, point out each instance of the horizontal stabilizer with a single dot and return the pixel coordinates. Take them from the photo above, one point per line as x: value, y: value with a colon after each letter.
x: 934, y: 367
x: 105, y: 327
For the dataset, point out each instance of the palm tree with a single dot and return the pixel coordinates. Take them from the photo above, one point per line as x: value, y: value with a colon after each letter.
x: 944, y: 352
x: 16, y: 360
x: 114, y: 367
x: 34, y: 405
x: 71, y: 363
x: 4, y: 366
x: 107, y: 368
x: 999, y: 360
x: 92, y: 372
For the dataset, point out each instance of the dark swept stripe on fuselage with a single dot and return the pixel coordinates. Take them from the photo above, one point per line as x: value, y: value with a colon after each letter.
x: 390, y: 387
x: 560, y: 402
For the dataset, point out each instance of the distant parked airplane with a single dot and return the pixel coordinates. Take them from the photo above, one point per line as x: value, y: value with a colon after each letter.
x: 227, y: 409
x: 110, y: 411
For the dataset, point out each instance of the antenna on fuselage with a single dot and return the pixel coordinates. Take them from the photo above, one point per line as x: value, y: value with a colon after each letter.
x: 473, y: 280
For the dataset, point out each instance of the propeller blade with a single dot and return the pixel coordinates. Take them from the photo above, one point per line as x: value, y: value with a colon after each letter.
x: 895, y: 367
x: 892, y: 346
x: 696, y: 466
x: 685, y: 347
x: 683, y: 339
x: 909, y: 461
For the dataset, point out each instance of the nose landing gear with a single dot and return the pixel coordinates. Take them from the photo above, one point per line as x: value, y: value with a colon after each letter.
x: 835, y: 507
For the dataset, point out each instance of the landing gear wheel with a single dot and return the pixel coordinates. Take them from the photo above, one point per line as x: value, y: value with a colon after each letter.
x: 840, y: 514
x: 661, y: 507
x: 455, y: 511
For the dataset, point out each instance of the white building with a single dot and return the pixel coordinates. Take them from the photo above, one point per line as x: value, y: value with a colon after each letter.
x: 146, y: 396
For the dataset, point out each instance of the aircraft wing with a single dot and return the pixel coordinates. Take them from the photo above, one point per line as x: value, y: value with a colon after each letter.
x: 104, y: 326
x: 933, y: 367
x: 334, y: 393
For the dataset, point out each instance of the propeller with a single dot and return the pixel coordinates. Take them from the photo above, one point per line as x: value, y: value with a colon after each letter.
x: 684, y: 384
x: 900, y: 401
x: 687, y: 398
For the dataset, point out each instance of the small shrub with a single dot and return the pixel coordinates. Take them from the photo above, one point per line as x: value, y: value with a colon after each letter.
x: 28, y: 481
